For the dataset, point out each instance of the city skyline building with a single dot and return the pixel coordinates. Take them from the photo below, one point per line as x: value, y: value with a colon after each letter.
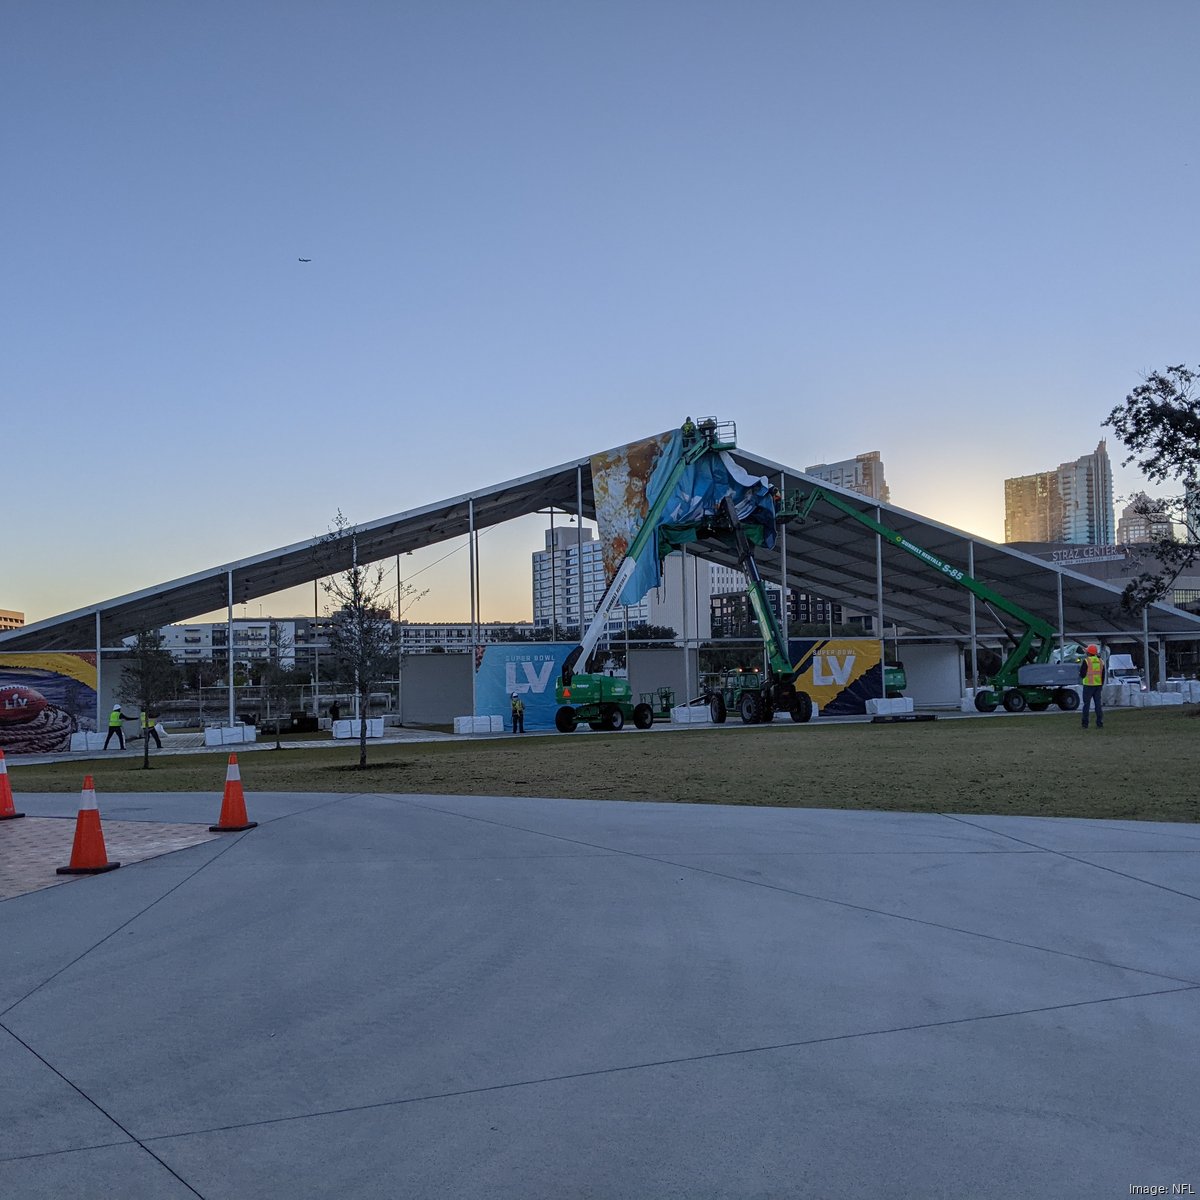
x: 11, y: 619
x: 1072, y: 504
x: 863, y: 473
x: 679, y: 605
x: 1139, y: 522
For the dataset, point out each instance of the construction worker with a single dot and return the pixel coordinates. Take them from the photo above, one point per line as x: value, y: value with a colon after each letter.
x: 150, y: 728
x: 1091, y: 675
x: 114, y: 726
x: 518, y: 713
x: 689, y: 432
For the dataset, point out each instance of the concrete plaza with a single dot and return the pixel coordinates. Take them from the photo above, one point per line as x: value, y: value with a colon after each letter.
x: 428, y: 996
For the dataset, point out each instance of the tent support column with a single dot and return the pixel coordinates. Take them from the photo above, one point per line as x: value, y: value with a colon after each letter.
x: 1146, y: 643
x: 879, y: 602
x: 474, y: 614
x: 783, y: 578
x: 99, y: 679
x: 974, y: 627
x: 229, y: 642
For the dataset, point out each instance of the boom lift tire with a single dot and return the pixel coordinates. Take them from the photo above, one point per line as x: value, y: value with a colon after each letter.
x: 716, y: 710
x: 750, y: 708
x: 802, y: 707
x: 1039, y: 705
x: 643, y: 716
x: 565, y: 719
x: 612, y: 718
x: 1066, y: 699
x: 1014, y: 701
x: 985, y: 702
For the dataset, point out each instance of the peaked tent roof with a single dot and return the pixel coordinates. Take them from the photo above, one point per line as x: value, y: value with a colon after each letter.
x: 830, y: 555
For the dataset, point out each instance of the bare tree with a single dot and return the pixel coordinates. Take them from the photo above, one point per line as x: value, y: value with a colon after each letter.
x: 363, y: 636
x: 150, y: 676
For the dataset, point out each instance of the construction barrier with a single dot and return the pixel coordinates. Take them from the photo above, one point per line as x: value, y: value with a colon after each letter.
x: 233, y: 804
x: 8, y: 810
x: 88, y: 855
x: 488, y: 724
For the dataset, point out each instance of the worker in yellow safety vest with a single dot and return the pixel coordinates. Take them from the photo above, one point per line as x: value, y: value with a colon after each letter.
x: 114, y: 726
x: 518, y: 713
x: 1091, y: 675
x: 149, y: 728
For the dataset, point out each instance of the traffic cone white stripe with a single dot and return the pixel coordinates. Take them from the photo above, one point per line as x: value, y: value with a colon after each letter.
x: 234, y: 772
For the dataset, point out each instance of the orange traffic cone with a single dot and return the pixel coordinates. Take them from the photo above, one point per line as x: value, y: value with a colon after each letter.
x: 7, y: 810
x: 233, y: 806
x: 88, y: 856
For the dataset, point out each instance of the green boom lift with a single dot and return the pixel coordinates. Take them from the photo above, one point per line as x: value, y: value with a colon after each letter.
x: 753, y: 696
x: 1033, y: 648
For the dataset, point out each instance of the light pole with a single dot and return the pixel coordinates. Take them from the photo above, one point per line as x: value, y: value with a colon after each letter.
x: 399, y: 641
x: 553, y: 583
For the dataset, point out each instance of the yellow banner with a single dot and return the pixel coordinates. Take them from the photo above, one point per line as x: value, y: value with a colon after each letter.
x: 833, y: 671
x: 80, y: 667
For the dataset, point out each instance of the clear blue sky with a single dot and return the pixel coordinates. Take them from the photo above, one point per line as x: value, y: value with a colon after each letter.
x: 955, y: 233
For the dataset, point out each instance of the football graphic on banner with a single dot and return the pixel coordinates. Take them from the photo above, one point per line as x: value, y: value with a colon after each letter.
x: 20, y: 704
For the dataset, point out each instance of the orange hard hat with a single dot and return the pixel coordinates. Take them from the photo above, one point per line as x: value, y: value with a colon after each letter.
x: 1092, y: 650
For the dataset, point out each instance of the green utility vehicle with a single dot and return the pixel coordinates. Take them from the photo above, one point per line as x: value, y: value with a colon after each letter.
x: 1028, y: 677
x: 660, y: 702
x: 894, y: 680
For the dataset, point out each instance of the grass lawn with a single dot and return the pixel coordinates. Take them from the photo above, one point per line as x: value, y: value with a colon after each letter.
x: 1143, y: 765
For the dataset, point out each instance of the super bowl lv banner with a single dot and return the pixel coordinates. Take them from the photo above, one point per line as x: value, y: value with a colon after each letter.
x: 44, y: 698
x: 840, y: 674
x: 527, y: 668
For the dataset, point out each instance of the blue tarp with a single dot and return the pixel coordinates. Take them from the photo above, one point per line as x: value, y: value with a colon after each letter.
x: 694, y: 501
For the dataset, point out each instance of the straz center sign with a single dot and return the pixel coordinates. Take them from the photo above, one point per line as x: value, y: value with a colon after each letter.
x: 1088, y: 554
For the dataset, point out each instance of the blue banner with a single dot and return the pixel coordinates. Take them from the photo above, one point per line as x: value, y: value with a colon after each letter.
x: 531, y: 669
x: 695, y: 499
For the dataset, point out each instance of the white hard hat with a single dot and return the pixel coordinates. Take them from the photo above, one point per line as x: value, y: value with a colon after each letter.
x: 514, y: 695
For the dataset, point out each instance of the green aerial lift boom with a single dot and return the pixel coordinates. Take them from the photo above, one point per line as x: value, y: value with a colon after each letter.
x: 753, y: 696
x: 605, y: 701
x: 1034, y: 647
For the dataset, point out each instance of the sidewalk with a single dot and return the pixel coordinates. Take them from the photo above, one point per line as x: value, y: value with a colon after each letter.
x: 381, y: 995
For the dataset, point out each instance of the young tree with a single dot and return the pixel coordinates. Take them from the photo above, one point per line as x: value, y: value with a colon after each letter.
x: 1159, y: 424
x: 363, y: 637
x: 150, y: 676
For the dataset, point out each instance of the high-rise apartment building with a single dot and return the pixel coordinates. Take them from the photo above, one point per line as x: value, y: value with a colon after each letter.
x: 1140, y: 522
x: 11, y: 620
x: 571, y: 556
x: 1073, y: 504
x: 862, y: 473
x: 1033, y: 508
x: 684, y: 592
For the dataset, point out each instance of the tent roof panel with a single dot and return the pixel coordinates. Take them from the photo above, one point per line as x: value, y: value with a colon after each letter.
x: 830, y: 555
